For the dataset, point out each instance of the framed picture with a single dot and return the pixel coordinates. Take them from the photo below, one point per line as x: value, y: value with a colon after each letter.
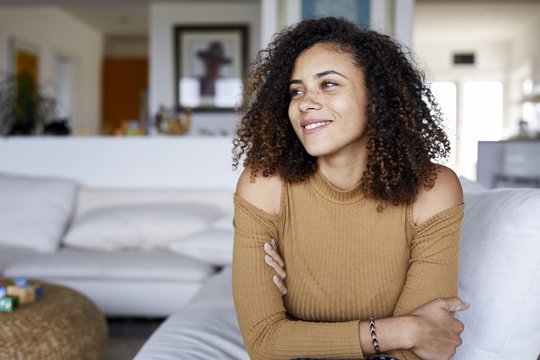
x: 210, y: 63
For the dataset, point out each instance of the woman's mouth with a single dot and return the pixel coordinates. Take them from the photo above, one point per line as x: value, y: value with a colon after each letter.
x: 313, y: 127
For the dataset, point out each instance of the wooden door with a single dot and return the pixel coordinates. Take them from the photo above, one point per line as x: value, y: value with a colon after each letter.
x: 125, y: 81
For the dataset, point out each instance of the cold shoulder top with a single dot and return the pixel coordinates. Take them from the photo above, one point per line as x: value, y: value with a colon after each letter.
x: 345, y: 262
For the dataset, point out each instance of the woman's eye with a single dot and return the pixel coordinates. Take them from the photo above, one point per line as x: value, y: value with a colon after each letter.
x: 295, y: 92
x: 328, y: 84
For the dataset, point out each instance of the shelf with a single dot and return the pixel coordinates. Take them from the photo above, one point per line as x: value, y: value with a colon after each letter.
x: 534, y: 99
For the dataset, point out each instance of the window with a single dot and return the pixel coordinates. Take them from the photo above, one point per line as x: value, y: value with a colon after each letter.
x: 473, y: 111
x: 63, y: 87
x: 482, y: 117
x: 446, y: 95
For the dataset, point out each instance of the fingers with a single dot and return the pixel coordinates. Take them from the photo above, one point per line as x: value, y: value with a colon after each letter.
x: 460, y: 328
x: 273, y: 254
x: 274, y: 260
x: 274, y: 265
x: 455, y: 304
x: 279, y: 284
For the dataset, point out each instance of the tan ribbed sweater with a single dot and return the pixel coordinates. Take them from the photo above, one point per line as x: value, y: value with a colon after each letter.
x: 345, y: 262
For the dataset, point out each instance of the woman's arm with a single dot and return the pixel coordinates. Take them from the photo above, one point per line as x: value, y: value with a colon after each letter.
x: 434, y: 263
x: 428, y: 327
x: 268, y: 331
x: 431, y: 329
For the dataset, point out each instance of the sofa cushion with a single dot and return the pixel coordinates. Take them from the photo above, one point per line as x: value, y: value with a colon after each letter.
x: 470, y: 186
x: 14, y: 254
x: 74, y: 264
x: 205, y: 329
x: 214, y: 247
x: 139, y: 226
x: 34, y: 212
x: 500, y: 274
x: 225, y: 222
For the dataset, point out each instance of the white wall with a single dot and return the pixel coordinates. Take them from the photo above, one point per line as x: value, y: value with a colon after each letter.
x: 163, y: 18
x: 526, y: 51
x: 492, y: 61
x: 126, y: 47
x: 55, y: 32
x: 490, y: 57
x: 511, y: 61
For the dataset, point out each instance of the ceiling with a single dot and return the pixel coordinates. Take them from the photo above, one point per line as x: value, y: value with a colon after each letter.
x: 434, y: 19
x: 112, y: 17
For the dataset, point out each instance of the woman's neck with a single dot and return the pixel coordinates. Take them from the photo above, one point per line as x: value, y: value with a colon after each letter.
x: 343, y: 172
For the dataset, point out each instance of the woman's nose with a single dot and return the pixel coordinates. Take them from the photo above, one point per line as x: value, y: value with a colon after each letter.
x: 309, y: 102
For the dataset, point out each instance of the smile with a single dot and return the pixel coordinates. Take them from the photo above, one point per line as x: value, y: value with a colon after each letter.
x: 313, y: 126
x: 316, y: 125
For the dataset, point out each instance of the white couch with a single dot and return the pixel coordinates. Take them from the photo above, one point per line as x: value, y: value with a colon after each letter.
x: 499, y: 276
x: 500, y: 253
x: 136, y: 224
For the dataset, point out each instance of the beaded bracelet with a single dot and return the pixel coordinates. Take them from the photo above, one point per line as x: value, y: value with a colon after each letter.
x: 374, y: 336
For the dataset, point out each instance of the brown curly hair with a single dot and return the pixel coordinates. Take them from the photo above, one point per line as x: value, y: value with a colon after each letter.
x: 404, y: 122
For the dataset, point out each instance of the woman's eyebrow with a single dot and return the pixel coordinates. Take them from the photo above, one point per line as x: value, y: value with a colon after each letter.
x: 328, y: 72
x: 318, y: 76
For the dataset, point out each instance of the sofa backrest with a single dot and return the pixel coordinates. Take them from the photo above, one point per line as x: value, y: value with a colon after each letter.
x: 500, y: 273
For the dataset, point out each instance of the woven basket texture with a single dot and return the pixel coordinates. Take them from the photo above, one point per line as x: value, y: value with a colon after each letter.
x: 62, y: 325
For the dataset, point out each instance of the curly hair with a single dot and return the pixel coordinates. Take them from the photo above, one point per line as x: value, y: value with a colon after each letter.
x: 404, y: 125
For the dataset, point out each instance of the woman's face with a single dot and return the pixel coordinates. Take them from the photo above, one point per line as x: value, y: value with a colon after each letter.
x: 328, y: 108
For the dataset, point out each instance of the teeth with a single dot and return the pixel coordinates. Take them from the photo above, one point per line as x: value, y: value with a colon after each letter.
x: 314, y: 125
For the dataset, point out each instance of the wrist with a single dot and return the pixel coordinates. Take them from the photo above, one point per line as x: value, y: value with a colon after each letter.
x: 393, y: 333
x: 410, y: 331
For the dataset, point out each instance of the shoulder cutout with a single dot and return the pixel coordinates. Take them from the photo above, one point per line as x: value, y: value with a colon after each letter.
x: 444, y: 195
x: 262, y: 192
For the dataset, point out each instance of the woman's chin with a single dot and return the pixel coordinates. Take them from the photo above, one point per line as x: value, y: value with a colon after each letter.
x: 318, y: 151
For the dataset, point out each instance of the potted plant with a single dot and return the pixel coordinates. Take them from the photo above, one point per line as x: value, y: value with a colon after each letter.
x: 24, y: 109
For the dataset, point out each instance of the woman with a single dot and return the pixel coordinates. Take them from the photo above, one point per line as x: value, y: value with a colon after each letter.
x: 339, y: 133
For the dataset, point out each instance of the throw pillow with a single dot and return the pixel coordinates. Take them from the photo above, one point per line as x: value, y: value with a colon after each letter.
x: 214, y: 247
x: 143, y: 227
x: 34, y: 212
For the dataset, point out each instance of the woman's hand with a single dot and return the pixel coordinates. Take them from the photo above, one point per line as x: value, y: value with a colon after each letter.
x: 275, y: 261
x: 437, y: 333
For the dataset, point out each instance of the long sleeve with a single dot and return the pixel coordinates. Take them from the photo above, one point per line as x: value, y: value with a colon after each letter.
x: 268, y: 331
x: 433, y: 265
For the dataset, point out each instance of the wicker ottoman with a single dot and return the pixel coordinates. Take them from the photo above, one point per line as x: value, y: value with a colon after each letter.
x: 62, y: 325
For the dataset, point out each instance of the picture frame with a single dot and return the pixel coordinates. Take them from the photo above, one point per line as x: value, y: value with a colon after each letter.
x: 210, y: 64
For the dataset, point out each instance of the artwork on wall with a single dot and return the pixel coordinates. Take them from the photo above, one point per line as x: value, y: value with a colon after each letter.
x: 357, y: 11
x: 210, y: 63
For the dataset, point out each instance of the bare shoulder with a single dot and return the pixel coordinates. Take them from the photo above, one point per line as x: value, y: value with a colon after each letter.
x: 262, y: 192
x: 445, y: 194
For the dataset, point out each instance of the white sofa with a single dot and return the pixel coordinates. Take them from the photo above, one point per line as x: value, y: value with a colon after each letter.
x: 500, y: 253
x: 499, y: 276
x: 136, y: 224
